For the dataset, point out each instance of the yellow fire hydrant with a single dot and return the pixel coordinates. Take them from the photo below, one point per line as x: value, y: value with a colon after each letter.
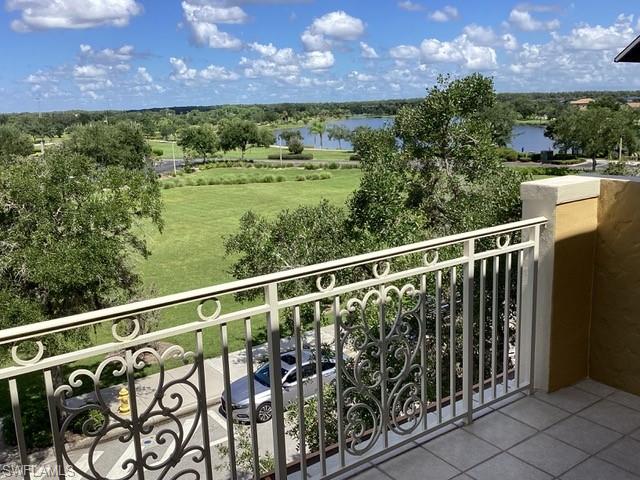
x: 123, y: 396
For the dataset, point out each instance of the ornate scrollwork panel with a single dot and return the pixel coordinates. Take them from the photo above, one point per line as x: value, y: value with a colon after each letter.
x: 382, y: 378
x: 100, y: 420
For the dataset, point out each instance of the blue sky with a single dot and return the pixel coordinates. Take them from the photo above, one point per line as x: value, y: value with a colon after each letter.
x: 93, y: 54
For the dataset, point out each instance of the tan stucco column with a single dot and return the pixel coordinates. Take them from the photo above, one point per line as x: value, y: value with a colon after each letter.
x: 565, y: 275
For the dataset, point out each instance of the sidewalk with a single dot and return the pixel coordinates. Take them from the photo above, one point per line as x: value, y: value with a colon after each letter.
x: 147, y: 387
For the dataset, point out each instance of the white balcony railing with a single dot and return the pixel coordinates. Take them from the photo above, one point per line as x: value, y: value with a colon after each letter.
x: 424, y: 335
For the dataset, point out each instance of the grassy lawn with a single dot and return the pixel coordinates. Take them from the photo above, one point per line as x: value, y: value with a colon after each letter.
x: 253, y: 153
x: 190, y: 253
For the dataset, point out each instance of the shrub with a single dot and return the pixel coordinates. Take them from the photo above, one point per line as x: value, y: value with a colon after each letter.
x: 300, y: 178
x: 189, y: 182
x: 325, y: 176
x: 167, y: 185
x: 93, y: 418
x: 313, y: 166
x: 333, y: 166
x: 158, y: 152
x: 268, y: 179
x: 313, y: 176
x: 295, y: 146
x: 35, y: 425
x: 281, y: 178
x: 201, y: 181
x: 507, y: 154
x: 355, y: 157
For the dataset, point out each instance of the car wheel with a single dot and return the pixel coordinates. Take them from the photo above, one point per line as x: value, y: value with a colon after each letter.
x: 264, y: 413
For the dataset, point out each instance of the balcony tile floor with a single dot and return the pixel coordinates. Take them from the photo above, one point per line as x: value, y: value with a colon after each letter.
x: 589, y: 431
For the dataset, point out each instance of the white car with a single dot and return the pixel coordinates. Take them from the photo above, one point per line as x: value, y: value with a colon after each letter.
x: 262, y: 386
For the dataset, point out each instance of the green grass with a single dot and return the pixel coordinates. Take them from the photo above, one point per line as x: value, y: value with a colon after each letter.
x: 190, y: 253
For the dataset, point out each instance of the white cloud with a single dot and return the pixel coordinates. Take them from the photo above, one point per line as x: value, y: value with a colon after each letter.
x: 265, y: 67
x: 203, y: 18
x: 461, y: 51
x: 281, y: 56
x: 318, y: 60
x: 181, y: 72
x: 410, y: 6
x: 189, y: 76
x: 218, y: 74
x: 89, y: 71
x: 143, y: 75
x: 107, y: 55
x: 486, y: 37
x: 336, y: 25
x: 445, y: 14
x: 361, y: 77
x: 616, y: 36
x: 71, y: 14
x: 367, y: 51
x: 521, y: 18
x: 404, y: 52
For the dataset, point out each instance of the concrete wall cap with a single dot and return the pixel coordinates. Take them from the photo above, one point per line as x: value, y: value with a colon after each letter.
x: 560, y: 190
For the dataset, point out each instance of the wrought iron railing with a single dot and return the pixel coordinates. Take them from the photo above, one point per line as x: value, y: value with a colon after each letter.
x: 423, y: 335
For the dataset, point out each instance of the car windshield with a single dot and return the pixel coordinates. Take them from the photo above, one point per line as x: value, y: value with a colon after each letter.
x: 262, y: 374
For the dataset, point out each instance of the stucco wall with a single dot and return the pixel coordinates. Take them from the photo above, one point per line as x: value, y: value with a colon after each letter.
x: 576, y: 224
x: 615, y: 324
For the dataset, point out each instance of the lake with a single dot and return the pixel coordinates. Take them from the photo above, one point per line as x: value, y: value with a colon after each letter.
x: 528, y: 138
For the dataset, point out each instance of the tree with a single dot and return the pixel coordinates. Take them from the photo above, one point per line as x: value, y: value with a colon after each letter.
x: 339, y: 133
x: 14, y: 142
x: 595, y: 132
x: 318, y: 127
x: 166, y: 128
x: 121, y: 144
x: 238, y: 134
x: 201, y: 139
x: 501, y: 117
x: 266, y: 138
x: 288, y: 135
x: 67, y: 226
x: 295, y: 146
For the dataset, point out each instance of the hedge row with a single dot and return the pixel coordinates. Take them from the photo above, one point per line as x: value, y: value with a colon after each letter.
x: 239, y: 180
x: 291, y: 156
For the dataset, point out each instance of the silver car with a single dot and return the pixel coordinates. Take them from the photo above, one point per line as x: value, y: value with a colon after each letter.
x: 262, y: 386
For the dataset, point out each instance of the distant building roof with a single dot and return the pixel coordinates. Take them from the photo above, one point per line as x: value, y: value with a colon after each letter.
x: 631, y: 53
x: 633, y: 104
x: 581, y: 101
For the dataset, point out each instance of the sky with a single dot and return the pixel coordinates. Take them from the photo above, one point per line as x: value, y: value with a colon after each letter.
x: 129, y: 54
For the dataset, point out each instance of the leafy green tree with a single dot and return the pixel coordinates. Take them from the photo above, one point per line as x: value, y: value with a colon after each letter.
x: 238, y: 134
x: 501, y: 117
x: 167, y: 128
x: 288, y: 135
x: 339, y: 133
x: 595, y: 132
x: 13, y: 142
x: 67, y: 226
x: 121, y: 144
x: 201, y: 139
x: 266, y: 138
x: 318, y: 127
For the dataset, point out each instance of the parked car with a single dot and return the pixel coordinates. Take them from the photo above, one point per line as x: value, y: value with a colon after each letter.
x: 262, y: 386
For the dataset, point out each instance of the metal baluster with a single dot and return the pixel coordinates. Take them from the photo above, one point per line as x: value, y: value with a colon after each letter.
x: 58, y: 442
x: 439, y: 345
x: 317, y: 317
x: 204, y: 417
x: 534, y: 298
x: 483, y: 274
x: 17, y: 422
x: 494, y: 326
x: 277, y: 402
x: 228, y: 400
x: 467, y: 329
x: 248, y: 346
x: 423, y: 348
x: 384, y: 419
x: 452, y: 343
x: 518, y: 310
x: 507, y: 299
x: 300, y: 387
x: 135, y: 420
x: 339, y: 388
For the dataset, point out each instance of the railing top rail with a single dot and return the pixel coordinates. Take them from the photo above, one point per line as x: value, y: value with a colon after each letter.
x: 122, y: 311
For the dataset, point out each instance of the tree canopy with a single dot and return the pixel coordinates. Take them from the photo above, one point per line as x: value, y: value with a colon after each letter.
x: 13, y: 142
x: 200, y: 139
